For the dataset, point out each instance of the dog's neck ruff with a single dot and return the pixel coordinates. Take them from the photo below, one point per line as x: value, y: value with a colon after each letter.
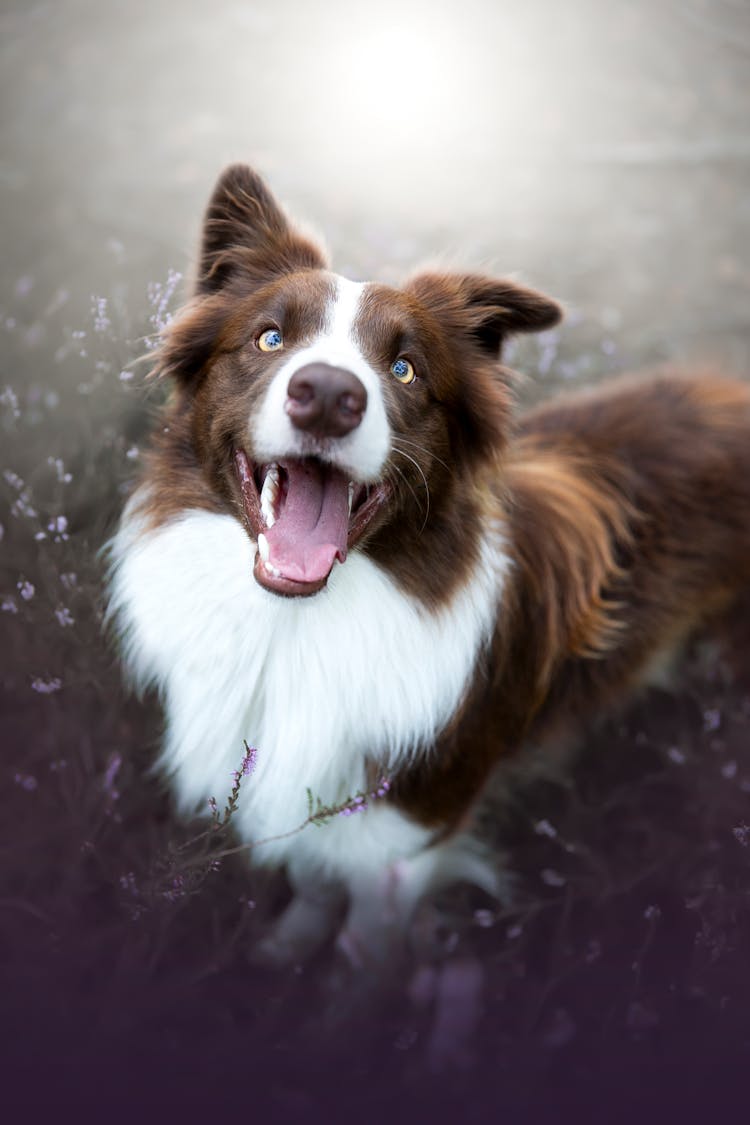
x: 362, y: 672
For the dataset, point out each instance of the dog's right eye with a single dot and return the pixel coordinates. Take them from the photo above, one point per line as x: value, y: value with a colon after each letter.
x: 270, y: 340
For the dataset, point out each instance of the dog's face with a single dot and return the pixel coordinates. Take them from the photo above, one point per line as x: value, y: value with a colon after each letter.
x: 331, y: 413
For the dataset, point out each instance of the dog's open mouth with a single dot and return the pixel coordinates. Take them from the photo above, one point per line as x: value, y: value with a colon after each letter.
x: 305, y: 514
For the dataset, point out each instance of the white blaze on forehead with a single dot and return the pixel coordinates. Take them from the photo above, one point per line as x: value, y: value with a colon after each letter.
x: 362, y: 452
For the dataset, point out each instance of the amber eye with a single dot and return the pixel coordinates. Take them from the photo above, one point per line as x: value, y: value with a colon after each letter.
x: 270, y: 340
x: 403, y: 371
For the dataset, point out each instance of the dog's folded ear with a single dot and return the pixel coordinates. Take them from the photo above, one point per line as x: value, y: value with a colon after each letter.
x: 247, y: 238
x: 483, y: 308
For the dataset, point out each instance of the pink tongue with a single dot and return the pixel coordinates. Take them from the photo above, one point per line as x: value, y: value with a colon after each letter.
x: 310, y: 532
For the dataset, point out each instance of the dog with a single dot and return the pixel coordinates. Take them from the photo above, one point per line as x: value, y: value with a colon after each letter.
x: 348, y: 552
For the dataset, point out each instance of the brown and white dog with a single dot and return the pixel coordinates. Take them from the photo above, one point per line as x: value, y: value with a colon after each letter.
x: 346, y: 551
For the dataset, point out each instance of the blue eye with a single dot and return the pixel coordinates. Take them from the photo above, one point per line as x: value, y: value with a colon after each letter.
x: 270, y: 340
x: 403, y: 371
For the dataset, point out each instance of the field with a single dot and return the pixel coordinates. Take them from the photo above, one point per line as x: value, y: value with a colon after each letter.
x: 602, y: 155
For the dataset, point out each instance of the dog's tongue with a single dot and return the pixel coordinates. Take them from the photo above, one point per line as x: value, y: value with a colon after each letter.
x: 311, y: 529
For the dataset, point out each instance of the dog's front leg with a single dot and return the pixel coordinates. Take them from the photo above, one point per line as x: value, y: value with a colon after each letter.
x: 379, y: 925
x: 304, y: 926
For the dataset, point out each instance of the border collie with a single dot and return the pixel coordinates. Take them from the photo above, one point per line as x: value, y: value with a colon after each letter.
x: 346, y: 551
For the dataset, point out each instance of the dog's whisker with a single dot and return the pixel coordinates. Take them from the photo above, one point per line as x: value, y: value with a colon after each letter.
x: 408, y: 484
x: 424, y: 478
x: 422, y: 449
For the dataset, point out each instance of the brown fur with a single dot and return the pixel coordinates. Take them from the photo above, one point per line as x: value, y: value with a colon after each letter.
x: 626, y: 509
x: 629, y: 518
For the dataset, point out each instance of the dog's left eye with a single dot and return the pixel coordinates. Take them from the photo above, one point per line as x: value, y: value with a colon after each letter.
x: 270, y: 340
x: 403, y: 371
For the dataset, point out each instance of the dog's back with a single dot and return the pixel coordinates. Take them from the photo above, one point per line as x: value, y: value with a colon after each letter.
x: 628, y: 527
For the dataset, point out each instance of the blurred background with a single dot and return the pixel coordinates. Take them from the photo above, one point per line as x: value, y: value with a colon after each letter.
x: 597, y: 150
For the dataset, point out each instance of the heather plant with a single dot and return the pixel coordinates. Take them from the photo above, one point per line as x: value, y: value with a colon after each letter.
x: 641, y: 852
x: 182, y: 870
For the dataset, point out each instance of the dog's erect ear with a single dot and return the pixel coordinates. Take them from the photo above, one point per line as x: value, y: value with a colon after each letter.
x: 247, y: 236
x: 485, y: 309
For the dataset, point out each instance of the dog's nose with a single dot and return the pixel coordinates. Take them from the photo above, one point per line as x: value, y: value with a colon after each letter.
x: 324, y: 400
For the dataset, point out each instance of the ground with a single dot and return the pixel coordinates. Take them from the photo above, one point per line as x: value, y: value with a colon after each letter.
x: 597, y: 151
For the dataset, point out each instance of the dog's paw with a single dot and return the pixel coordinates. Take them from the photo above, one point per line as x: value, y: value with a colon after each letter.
x: 297, y: 935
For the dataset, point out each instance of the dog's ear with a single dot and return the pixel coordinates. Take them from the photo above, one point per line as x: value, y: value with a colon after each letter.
x: 483, y: 308
x: 247, y: 237
x: 481, y: 312
x: 191, y: 339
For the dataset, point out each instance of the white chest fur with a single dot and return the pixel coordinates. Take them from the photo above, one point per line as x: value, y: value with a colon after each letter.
x: 319, y: 685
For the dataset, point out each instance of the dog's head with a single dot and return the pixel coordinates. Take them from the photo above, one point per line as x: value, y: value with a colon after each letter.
x: 328, y: 411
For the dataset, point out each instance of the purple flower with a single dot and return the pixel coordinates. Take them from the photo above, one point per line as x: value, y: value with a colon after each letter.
x: 109, y: 777
x: 250, y: 760
x: 46, y: 687
x: 59, y: 467
x: 26, y: 781
x: 99, y: 313
x: 59, y: 528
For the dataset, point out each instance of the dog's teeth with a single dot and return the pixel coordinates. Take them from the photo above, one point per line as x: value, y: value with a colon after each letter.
x: 269, y: 494
x: 351, y: 495
x: 272, y: 570
x: 263, y: 549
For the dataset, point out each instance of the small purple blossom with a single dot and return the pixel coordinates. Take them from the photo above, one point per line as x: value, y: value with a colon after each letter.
x: 8, y: 605
x: 46, y: 687
x: 711, y: 720
x: 176, y: 891
x: 160, y: 295
x: 9, y: 400
x: 13, y: 479
x: 64, y: 617
x: 58, y: 525
x: 250, y: 760
x: 26, y: 590
x: 23, y: 506
x: 102, y: 323
x: 742, y: 834
x: 544, y: 828
x: 128, y: 883
x: 26, y: 781
x: 60, y: 471
x: 110, y: 774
